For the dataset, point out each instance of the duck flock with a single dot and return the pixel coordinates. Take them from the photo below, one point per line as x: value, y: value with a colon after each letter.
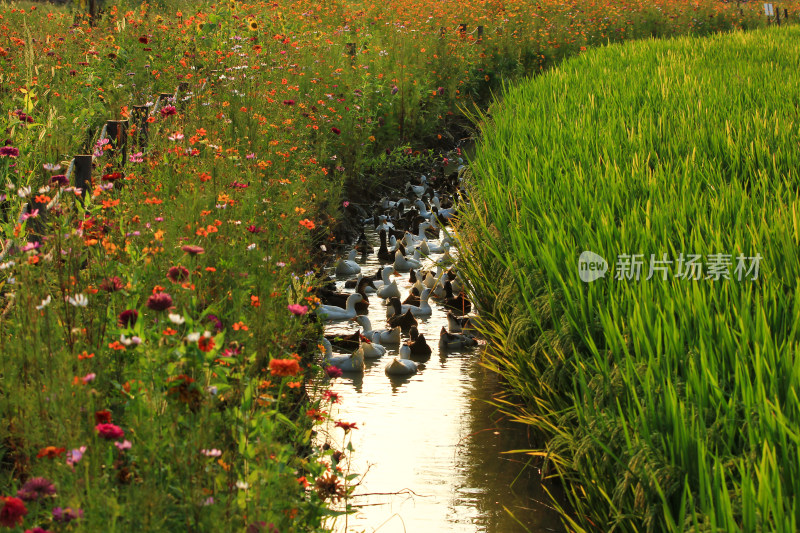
x: 412, y: 244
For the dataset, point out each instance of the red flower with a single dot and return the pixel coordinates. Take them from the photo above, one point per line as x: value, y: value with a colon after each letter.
x: 109, y: 431
x: 127, y: 318
x: 206, y: 344
x: 50, y: 452
x: 336, y: 130
x: 12, y: 512
x: 102, y: 417
x: 144, y: 39
x: 347, y: 426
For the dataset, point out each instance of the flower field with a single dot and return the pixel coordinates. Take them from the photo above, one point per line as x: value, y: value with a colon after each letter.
x: 158, y: 370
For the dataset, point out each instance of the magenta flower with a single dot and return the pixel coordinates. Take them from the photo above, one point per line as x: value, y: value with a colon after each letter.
x: 109, y: 431
x: 333, y: 371
x: 35, y: 488
x: 9, y: 151
x: 168, y: 110
x: 66, y: 514
x: 297, y: 309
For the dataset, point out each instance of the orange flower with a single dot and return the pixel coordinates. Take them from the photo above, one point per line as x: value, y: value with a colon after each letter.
x: 206, y: 344
x: 169, y: 331
x: 307, y: 223
x: 116, y: 345
x: 240, y: 326
x: 284, y: 367
x: 254, y: 301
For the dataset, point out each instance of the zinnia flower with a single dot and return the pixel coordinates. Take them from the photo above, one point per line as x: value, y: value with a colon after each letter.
x: 60, y: 180
x: 9, y: 151
x: 102, y: 417
x: 35, y: 488
x: 12, y: 512
x: 66, y: 514
x: 336, y: 130
x: 159, y: 302
x: 168, y: 110
x: 284, y: 367
x: 112, y: 284
x: 192, y: 249
x: 109, y: 431
x: 179, y: 273
x: 127, y: 318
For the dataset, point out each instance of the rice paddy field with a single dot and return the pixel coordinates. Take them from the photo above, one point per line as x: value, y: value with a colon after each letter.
x: 667, y: 392
x: 159, y: 366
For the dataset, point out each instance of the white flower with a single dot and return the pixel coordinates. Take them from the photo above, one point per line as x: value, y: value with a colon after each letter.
x: 133, y: 341
x: 176, y: 318
x: 251, y: 247
x: 193, y: 337
x: 7, y: 264
x: 78, y: 301
x: 241, y: 485
x: 23, y: 191
x: 45, y: 303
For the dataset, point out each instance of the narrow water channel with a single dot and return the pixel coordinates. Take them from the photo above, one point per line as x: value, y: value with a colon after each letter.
x: 430, y: 447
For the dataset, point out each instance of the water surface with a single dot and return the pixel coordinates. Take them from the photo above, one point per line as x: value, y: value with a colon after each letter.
x: 430, y: 446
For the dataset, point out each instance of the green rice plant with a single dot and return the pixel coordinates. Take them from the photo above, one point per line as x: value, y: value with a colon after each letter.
x: 669, y: 404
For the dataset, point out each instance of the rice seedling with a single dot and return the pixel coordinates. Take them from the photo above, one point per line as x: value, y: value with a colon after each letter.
x: 667, y: 388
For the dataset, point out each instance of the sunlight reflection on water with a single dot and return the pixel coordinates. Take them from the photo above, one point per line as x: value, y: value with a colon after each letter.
x: 430, y: 447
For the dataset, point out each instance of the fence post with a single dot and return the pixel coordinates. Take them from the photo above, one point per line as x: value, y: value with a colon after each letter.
x: 83, y: 172
x: 117, y: 131
x: 139, y: 116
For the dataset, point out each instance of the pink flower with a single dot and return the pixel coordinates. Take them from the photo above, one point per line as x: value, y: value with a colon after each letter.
x: 109, y: 431
x: 345, y: 203
x: 297, y: 309
x: 74, y: 456
x: 88, y: 378
x: 123, y: 445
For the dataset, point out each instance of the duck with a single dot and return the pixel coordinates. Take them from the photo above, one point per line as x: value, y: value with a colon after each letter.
x: 403, y: 264
x: 417, y: 344
x: 370, y: 350
x: 404, y: 321
x: 454, y: 341
x: 346, y: 341
x: 457, y: 303
x: 427, y: 248
x: 362, y: 246
x: 384, y: 336
x: 458, y: 324
x: 444, y: 214
x: 431, y: 277
x: 423, y: 309
x: 332, y: 312
x: 390, y: 290
x: 401, y: 365
x: 339, y: 299
x: 423, y: 211
x: 348, y: 267
x: 384, y: 255
x: 347, y: 363
x: 446, y: 258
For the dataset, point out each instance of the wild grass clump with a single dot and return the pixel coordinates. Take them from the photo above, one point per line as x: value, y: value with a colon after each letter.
x: 669, y: 403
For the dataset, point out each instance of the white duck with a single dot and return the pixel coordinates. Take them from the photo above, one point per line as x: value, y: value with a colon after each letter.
x: 348, y: 267
x: 401, y: 365
x: 333, y: 312
x: 391, y: 289
x: 423, y: 211
x: 430, y: 278
x: 446, y: 258
x: 348, y: 363
x: 370, y: 349
x: 444, y: 214
x: 381, y: 336
x: 423, y: 309
x: 404, y: 264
